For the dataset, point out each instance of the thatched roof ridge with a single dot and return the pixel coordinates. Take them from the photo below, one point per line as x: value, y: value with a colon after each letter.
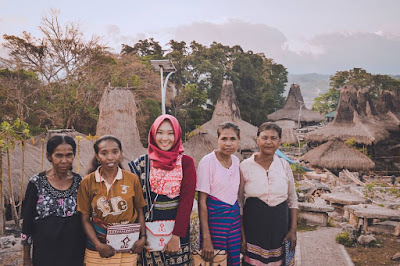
x: 351, y: 121
x: 118, y: 117
x: 387, y: 111
x: 291, y: 109
x: 337, y: 155
x: 226, y: 106
x: 226, y: 109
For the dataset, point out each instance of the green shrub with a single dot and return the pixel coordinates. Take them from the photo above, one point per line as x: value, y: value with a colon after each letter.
x: 344, y: 239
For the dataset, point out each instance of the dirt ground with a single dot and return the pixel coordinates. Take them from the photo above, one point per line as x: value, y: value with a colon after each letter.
x: 373, y: 256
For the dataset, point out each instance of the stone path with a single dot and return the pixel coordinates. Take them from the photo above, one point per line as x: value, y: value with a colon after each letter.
x: 315, y: 248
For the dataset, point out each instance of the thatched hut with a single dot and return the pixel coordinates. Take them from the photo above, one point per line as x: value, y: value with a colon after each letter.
x: 295, y: 110
x: 351, y: 121
x: 337, y: 155
x: 388, y: 111
x: 226, y: 109
x: 118, y: 117
x: 32, y: 166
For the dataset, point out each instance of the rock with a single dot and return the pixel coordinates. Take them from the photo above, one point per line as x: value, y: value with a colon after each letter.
x: 350, y: 229
x: 10, y: 242
x: 366, y: 240
x: 396, y: 256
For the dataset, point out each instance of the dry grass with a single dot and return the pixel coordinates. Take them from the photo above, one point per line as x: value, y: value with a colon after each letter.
x: 372, y: 256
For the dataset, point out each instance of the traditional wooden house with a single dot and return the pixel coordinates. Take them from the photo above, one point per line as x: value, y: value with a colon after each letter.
x: 294, y: 111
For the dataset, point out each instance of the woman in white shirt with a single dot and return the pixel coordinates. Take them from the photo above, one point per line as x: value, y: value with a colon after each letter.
x: 269, y: 194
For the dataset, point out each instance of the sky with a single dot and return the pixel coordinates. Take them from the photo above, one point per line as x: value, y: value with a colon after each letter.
x: 306, y: 36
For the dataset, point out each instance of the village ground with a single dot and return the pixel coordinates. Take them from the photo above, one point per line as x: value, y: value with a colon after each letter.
x: 316, y: 246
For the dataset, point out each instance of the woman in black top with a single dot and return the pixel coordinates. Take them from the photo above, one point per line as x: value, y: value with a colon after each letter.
x: 50, y: 219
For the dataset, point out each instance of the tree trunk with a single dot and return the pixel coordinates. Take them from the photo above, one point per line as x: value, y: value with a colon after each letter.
x: 12, y: 200
x: 2, y: 210
x: 21, y: 195
x: 42, y: 140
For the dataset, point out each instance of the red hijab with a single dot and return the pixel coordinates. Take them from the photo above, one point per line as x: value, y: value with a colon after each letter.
x: 165, y: 159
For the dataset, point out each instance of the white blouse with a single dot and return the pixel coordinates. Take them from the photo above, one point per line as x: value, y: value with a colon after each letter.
x: 273, y: 186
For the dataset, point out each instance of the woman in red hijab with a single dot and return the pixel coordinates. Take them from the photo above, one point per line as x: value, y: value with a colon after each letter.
x: 168, y: 179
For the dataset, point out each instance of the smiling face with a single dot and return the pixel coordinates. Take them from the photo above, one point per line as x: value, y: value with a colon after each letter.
x: 165, y: 136
x: 62, y: 158
x: 228, y: 141
x: 268, y: 141
x: 109, y: 154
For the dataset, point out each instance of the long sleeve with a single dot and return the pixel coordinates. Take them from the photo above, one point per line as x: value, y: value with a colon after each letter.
x: 28, y: 213
x: 188, y: 186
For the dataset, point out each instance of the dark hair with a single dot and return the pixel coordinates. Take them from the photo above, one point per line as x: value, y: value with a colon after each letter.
x: 57, y: 140
x: 270, y: 126
x: 95, y: 162
x: 227, y: 125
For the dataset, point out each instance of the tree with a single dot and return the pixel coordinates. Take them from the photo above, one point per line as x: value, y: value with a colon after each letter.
x: 189, y: 107
x: 62, y: 59
x: 327, y: 102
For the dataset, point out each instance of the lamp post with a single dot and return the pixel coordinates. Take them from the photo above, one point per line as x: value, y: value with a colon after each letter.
x: 298, y: 121
x: 299, y: 125
x: 163, y: 66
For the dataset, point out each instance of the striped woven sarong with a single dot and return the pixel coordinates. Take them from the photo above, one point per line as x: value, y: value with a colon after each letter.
x: 225, y: 228
x: 121, y: 259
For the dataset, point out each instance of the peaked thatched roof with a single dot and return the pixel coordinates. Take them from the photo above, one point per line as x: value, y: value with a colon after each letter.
x: 292, y: 106
x: 118, y: 117
x: 226, y: 109
x: 389, y: 111
x: 337, y: 155
x: 352, y: 120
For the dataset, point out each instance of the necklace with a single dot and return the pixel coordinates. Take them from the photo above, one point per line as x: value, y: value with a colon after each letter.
x: 226, y: 164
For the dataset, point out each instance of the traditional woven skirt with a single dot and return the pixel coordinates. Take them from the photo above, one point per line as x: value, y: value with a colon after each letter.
x: 225, y: 228
x: 122, y: 259
x: 265, y: 227
x: 165, y: 209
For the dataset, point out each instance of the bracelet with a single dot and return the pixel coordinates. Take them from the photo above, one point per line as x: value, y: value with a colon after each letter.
x: 145, y: 236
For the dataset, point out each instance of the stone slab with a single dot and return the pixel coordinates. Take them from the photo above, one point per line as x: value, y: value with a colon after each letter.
x: 312, y: 207
x: 371, y: 211
x: 344, y: 198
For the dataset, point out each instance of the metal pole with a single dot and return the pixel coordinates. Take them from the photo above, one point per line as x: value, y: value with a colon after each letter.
x: 162, y: 91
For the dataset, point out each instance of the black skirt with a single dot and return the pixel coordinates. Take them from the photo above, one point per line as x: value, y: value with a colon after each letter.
x: 58, y: 241
x: 265, y: 227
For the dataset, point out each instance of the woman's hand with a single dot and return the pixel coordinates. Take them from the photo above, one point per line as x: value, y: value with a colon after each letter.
x: 139, y: 245
x: 243, y: 245
x: 292, y: 237
x: 207, y: 252
x: 105, y: 251
x: 173, y: 245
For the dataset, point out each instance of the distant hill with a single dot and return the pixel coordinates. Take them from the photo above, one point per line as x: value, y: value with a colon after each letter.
x: 311, y: 85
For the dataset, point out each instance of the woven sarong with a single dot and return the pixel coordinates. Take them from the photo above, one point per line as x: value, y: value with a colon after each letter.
x: 225, y: 228
x: 265, y: 228
x: 121, y: 259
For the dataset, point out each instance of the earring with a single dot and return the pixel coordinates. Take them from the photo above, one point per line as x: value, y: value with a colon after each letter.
x: 50, y: 160
x: 98, y: 162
